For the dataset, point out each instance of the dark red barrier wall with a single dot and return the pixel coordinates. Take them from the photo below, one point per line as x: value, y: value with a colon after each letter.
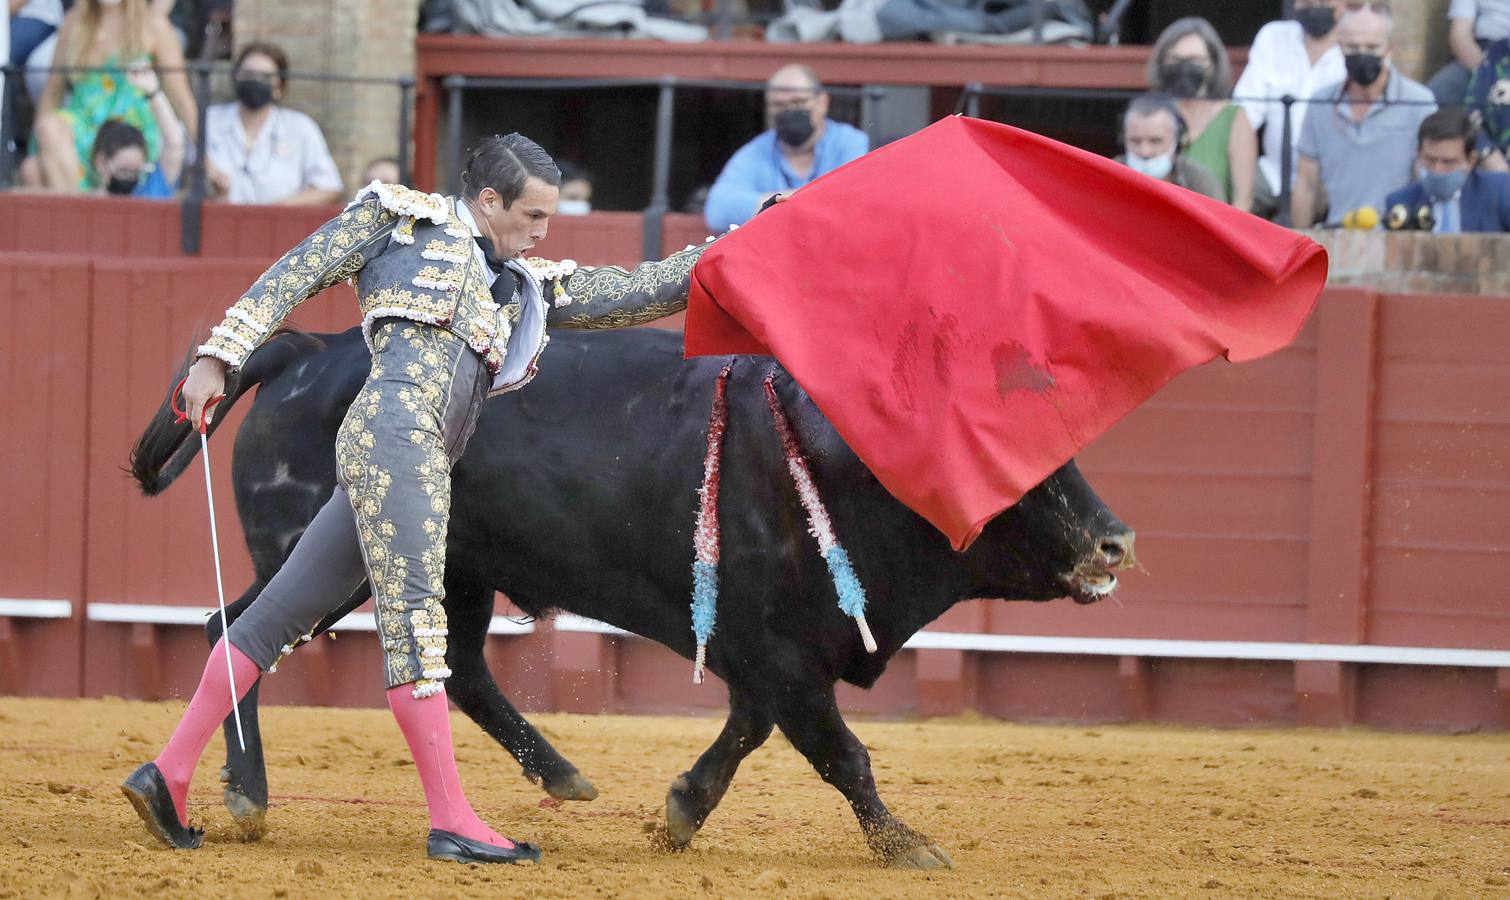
x: 1349, y: 489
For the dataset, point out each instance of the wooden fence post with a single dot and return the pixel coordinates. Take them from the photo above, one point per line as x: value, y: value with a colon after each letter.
x: 1341, y: 476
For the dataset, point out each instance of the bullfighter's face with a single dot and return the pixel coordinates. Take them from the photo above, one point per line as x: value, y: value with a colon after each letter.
x: 517, y: 227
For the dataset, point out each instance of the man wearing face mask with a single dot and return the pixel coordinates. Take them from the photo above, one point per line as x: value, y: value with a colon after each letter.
x: 1152, y: 132
x: 1295, y: 57
x: 799, y: 144
x: 1359, y: 136
x: 1451, y: 195
x: 260, y: 151
x: 451, y: 313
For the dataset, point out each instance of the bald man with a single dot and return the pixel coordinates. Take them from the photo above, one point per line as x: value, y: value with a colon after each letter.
x: 800, y: 143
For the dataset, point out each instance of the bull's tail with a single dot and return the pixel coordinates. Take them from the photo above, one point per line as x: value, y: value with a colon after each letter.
x: 164, y: 449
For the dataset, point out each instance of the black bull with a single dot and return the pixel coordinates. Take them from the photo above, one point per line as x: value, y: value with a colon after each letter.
x: 580, y: 493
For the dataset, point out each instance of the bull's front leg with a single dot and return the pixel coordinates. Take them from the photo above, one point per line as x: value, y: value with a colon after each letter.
x: 809, y: 717
x: 695, y: 794
x: 469, y: 611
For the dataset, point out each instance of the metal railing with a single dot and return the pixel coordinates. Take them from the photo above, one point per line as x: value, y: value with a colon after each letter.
x: 666, y: 87
x: 193, y: 179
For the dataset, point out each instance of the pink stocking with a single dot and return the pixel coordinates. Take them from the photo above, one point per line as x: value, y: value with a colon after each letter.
x: 426, y: 725
x: 211, y: 704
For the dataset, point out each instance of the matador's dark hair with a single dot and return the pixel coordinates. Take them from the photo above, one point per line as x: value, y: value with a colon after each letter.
x: 504, y: 162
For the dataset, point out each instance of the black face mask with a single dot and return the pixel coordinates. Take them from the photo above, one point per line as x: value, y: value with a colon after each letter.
x: 1182, y: 79
x: 1363, y: 68
x: 121, y: 186
x: 794, y: 127
x: 1317, y: 21
x: 253, y: 93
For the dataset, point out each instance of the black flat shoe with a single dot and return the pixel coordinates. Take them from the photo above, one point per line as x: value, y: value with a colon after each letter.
x: 446, y: 845
x: 148, y: 792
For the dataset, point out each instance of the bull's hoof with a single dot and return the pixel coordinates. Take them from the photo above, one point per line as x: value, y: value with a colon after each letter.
x: 682, y: 821
x: 928, y: 856
x: 250, y: 815
x: 571, y: 786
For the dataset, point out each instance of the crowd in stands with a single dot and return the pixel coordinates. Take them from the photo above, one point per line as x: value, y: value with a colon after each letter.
x: 1366, y: 144
x: 116, y: 115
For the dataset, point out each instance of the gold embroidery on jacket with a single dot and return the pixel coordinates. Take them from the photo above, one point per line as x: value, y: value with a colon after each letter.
x: 331, y: 254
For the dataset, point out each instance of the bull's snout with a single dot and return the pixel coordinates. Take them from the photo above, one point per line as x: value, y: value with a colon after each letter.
x: 1095, y: 576
x: 1116, y: 551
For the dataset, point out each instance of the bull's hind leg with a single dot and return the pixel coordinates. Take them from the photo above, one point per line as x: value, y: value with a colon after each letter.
x: 810, y: 719
x: 244, y: 773
x: 697, y: 792
x: 469, y: 610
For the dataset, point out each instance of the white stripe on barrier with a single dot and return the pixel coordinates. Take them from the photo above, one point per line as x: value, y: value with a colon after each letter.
x: 1355, y: 653
x: 923, y: 640
x: 149, y: 614
x: 1171, y: 649
x: 17, y: 608
x: 584, y: 625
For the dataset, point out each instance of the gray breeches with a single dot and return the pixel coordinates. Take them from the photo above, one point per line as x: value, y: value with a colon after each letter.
x: 386, y: 521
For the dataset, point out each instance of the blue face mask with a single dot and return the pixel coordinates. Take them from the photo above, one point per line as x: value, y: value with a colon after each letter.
x: 1154, y: 167
x: 1443, y: 186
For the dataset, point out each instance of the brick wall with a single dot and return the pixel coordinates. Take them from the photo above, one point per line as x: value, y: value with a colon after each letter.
x: 1420, y: 36
x: 1411, y: 262
x: 371, y: 38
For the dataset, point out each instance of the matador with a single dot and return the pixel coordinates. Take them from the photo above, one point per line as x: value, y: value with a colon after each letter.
x: 452, y: 313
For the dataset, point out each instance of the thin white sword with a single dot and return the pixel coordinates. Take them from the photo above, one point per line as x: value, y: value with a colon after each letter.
x: 209, y: 491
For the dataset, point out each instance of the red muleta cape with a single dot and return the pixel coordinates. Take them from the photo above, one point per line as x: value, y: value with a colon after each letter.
x: 972, y: 305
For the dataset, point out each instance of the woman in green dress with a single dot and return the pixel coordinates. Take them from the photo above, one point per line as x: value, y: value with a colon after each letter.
x: 107, y: 38
x: 1190, y: 63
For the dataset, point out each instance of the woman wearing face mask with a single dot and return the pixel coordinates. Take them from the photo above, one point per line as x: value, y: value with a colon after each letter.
x: 1189, y: 63
x: 122, y: 167
x: 106, y: 37
x: 261, y: 152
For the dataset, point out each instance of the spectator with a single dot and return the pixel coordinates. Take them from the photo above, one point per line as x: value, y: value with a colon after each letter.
x: 119, y: 155
x: 1359, y: 136
x: 1454, y: 194
x: 1472, y: 26
x: 384, y: 169
x: 1189, y: 63
x: 1153, y: 131
x: 261, y: 152
x: 106, y: 37
x: 576, y: 190
x: 1291, y: 57
x: 32, y: 22
x: 121, y: 168
x: 1489, y: 103
x: 799, y: 144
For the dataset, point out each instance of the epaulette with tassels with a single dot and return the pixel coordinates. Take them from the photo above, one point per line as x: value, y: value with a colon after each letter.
x: 409, y: 205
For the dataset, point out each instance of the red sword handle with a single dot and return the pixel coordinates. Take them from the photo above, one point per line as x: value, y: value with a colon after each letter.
x: 180, y: 415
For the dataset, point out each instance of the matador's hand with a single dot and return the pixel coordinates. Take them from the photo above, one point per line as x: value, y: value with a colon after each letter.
x: 206, y: 381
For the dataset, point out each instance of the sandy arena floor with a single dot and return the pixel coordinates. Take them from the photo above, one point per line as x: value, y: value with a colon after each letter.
x: 1025, y: 811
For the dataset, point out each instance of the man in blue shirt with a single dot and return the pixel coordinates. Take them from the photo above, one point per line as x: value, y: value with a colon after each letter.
x: 799, y: 144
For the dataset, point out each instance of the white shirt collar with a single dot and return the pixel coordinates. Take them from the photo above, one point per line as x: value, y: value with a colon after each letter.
x: 464, y: 213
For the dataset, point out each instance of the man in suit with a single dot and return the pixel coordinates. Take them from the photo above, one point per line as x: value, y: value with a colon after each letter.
x: 452, y: 312
x: 1452, y: 194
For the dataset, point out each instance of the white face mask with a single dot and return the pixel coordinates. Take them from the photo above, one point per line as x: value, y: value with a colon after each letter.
x: 573, y: 207
x: 1154, y: 167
